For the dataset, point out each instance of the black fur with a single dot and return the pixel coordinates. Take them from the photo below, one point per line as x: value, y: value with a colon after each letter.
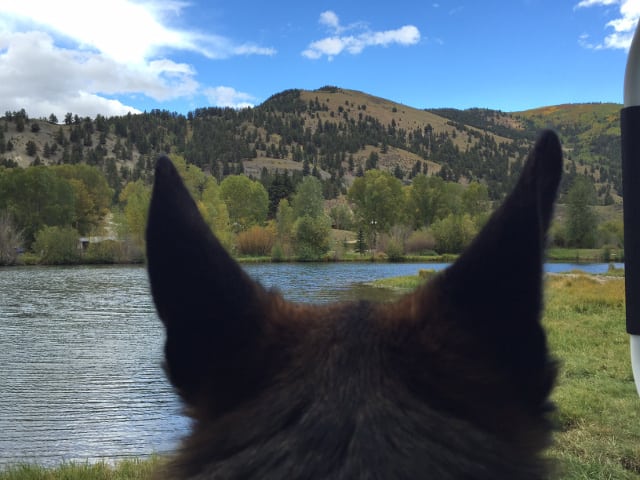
x: 450, y: 382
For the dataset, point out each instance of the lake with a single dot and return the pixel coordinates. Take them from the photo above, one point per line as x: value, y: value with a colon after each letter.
x: 80, y: 353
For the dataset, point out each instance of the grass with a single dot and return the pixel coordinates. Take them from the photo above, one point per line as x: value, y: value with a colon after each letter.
x: 404, y: 283
x: 598, y: 410
x: 576, y: 255
x: 598, y: 416
x: 133, y: 469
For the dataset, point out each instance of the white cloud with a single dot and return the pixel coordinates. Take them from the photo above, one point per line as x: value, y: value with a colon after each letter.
x: 228, y: 97
x: 330, y: 19
x: 52, y: 61
x: 623, y: 27
x: 140, y: 32
x: 44, y: 79
x: 591, y: 3
x: 354, y: 44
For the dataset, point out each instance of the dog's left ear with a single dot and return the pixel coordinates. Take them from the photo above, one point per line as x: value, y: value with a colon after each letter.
x: 210, y: 307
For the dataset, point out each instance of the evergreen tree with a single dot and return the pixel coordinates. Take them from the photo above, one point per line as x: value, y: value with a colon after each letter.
x: 581, y: 218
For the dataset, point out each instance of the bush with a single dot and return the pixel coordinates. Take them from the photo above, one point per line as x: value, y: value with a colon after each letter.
x: 426, y: 274
x: 10, y: 240
x: 311, y: 237
x: 394, y: 250
x: 277, y: 253
x: 420, y: 241
x: 454, y: 233
x: 611, y: 234
x: 256, y: 241
x: 108, y: 251
x: 57, y: 245
x: 557, y: 235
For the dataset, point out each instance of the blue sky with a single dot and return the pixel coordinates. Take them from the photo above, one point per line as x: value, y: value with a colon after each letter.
x: 112, y: 57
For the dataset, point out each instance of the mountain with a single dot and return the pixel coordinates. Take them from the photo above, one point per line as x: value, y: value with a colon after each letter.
x: 590, y: 135
x: 332, y: 132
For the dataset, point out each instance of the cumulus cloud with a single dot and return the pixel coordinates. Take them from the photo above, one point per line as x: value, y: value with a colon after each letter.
x: 355, y: 43
x: 623, y: 26
x: 330, y: 19
x: 54, y: 62
x: 591, y: 3
x: 228, y: 97
x: 45, y: 79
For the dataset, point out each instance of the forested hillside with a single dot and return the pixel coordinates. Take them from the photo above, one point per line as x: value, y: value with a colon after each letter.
x: 444, y: 163
x: 590, y: 135
x: 334, y: 133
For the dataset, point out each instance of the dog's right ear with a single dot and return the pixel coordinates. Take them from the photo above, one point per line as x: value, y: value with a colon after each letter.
x: 208, y: 304
x: 478, y: 321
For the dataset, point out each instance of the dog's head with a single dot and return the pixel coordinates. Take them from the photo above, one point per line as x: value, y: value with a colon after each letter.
x: 450, y: 382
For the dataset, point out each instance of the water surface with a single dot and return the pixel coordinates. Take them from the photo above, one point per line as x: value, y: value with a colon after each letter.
x: 80, y: 353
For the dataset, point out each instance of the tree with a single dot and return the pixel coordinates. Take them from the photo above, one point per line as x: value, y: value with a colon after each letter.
x: 247, y: 201
x: 136, y: 197
x: 581, y: 218
x: 36, y: 197
x: 10, y: 239
x: 311, y: 237
x: 431, y: 199
x: 84, y: 207
x: 215, y: 212
x: 454, y: 233
x: 311, y: 228
x: 280, y: 187
x: 308, y: 199
x: 361, y: 244
x: 341, y: 216
x: 378, y: 201
x: 57, y: 245
x: 285, y: 219
x: 31, y: 148
x: 93, y: 195
x: 475, y: 199
x: 193, y: 177
x: 372, y: 161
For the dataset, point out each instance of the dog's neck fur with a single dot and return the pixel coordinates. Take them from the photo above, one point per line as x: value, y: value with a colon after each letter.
x: 450, y: 382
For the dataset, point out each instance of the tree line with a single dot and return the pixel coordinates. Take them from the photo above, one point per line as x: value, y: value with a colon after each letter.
x: 46, y: 211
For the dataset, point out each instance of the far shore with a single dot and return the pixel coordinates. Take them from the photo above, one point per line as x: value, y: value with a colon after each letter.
x: 554, y: 255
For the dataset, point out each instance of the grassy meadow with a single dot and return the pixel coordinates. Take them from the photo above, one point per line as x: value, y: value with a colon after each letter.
x: 598, y: 417
x: 598, y: 410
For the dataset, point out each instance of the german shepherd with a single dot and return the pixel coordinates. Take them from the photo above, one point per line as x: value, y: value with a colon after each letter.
x: 450, y: 382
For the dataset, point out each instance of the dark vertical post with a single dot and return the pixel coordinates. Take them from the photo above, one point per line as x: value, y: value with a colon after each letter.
x: 630, y: 130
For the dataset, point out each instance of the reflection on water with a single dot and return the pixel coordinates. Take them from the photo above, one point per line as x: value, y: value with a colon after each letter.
x: 81, y: 379
x: 80, y: 353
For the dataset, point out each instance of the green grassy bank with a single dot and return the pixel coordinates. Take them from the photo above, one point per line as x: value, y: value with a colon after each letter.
x: 133, y: 469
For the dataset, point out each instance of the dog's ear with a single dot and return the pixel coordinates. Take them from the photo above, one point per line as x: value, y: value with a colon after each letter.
x: 207, y: 303
x: 483, y: 313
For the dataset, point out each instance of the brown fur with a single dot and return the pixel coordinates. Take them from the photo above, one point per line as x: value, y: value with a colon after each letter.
x: 450, y: 382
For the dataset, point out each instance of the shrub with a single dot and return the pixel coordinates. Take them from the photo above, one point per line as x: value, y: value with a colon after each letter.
x: 108, y: 251
x: 394, y: 250
x: 427, y: 273
x: 453, y: 233
x: 57, y: 245
x: 277, y: 253
x: 420, y: 241
x: 311, y: 237
x: 256, y: 241
x: 10, y: 240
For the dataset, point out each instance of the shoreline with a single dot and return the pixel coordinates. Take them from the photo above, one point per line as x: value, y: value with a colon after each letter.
x: 554, y: 255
